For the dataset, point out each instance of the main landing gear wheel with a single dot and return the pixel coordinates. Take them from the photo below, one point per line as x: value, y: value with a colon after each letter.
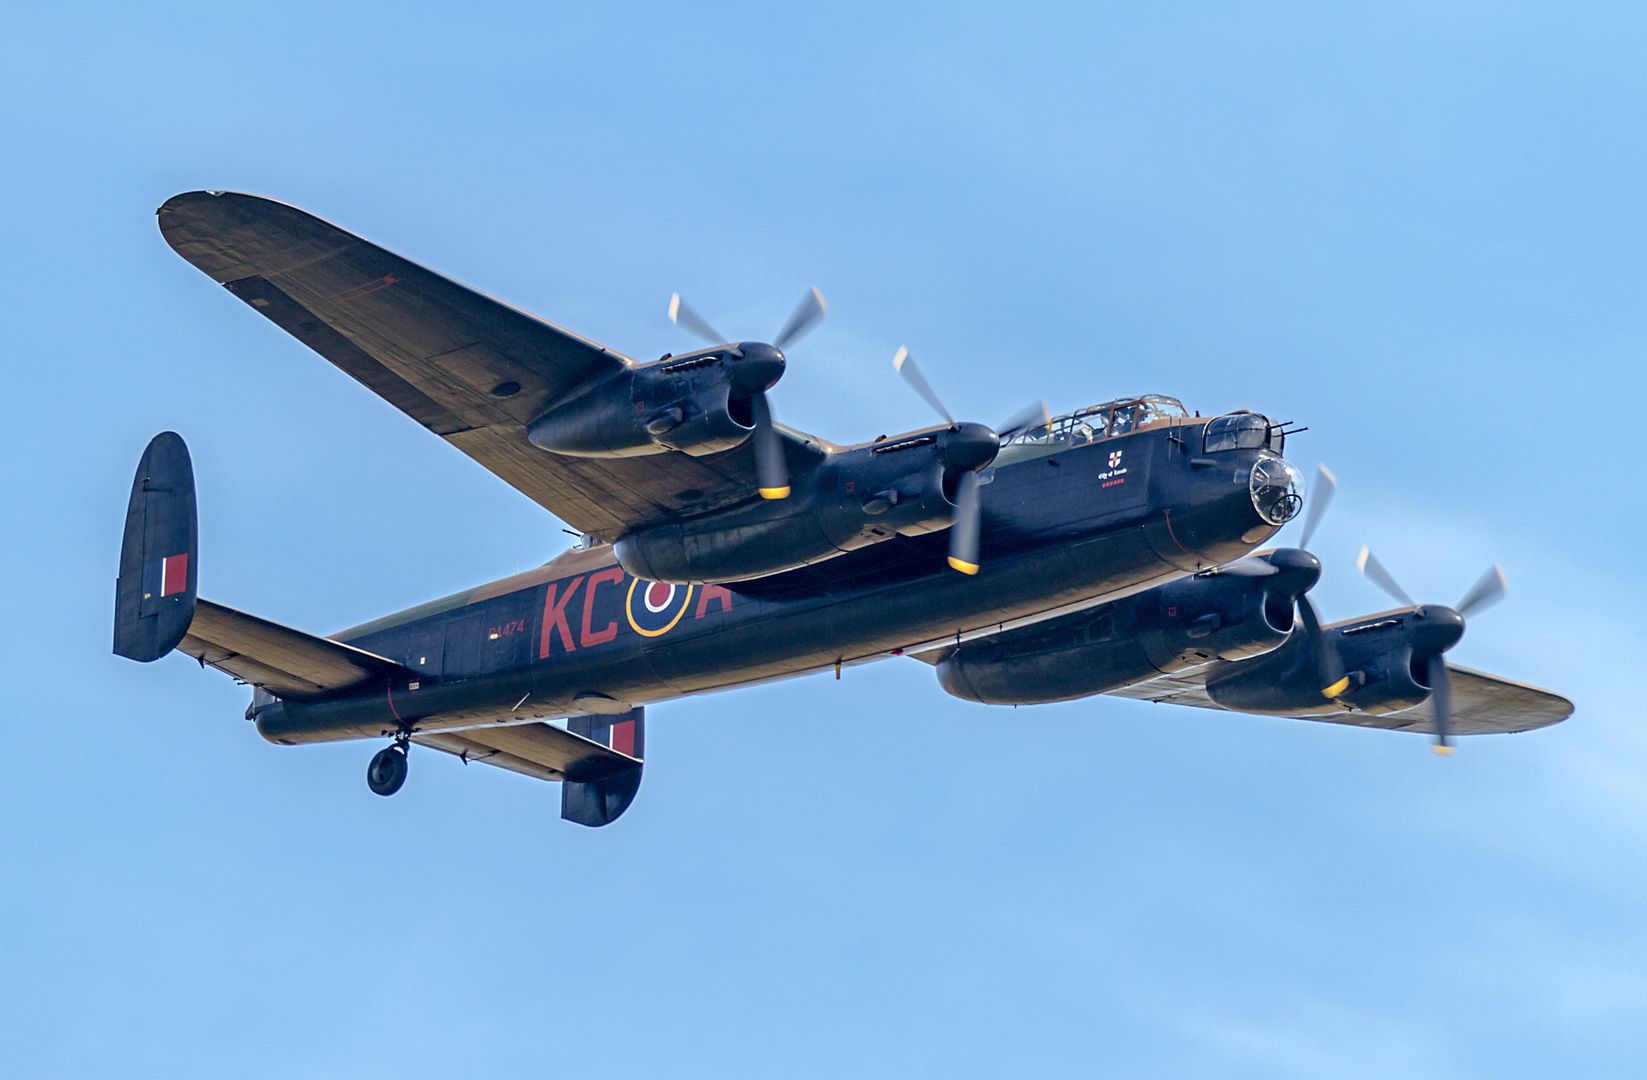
x: 387, y: 771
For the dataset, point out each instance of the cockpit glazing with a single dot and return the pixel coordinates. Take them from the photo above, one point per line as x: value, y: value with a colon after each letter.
x: 1100, y: 422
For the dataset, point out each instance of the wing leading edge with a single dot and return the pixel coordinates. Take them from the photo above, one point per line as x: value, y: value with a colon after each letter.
x: 470, y: 368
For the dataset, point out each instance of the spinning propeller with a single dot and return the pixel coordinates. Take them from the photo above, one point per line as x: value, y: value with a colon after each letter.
x: 1329, y: 667
x: 968, y: 450
x: 1448, y: 626
x: 755, y: 368
x: 1326, y: 484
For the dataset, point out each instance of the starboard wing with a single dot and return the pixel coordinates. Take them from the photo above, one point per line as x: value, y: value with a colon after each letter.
x: 470, y: 368
x: 1483, y: 704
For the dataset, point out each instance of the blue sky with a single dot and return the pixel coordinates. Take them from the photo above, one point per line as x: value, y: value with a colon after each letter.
x: 1416, y: 229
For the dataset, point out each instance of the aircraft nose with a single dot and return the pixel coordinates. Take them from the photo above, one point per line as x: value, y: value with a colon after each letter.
x: 1277, y: 488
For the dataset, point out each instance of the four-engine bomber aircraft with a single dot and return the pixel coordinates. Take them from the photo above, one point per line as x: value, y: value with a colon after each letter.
x: 1105, y: 551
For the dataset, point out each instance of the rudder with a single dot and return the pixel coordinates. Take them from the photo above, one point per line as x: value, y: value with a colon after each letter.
x: 154, y: 597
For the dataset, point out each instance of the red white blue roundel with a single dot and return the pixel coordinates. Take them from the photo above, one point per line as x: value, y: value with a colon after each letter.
x: 654, y: 607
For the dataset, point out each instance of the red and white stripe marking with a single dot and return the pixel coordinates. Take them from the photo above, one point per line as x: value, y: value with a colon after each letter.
x: 174, y: 574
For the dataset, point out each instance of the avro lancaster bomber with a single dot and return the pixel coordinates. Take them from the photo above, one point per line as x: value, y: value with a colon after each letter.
x: 1111, y: 550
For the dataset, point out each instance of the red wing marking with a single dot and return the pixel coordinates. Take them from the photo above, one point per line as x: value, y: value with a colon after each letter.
x: 361, y: 290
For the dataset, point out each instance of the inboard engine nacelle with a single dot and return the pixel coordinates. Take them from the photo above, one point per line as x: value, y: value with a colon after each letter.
x: 1219, y: 616
x: 851, y: 499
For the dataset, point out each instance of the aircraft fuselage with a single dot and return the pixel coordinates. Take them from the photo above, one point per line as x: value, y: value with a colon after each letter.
x: 1063, y: 528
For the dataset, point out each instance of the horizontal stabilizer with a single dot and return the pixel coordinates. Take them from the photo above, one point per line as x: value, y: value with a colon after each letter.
x: 537, y: 749
x: 287, y: 663
x: 596, y: 801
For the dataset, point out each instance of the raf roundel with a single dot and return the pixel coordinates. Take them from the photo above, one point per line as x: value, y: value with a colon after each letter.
x: 654, y: 607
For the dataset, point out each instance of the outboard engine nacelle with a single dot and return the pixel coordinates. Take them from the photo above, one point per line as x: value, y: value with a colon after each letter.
x: 1385, y: 659
x: 1222, y: 615
x: 698, y: 404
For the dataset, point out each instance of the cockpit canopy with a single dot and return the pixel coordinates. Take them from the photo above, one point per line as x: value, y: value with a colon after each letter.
x: 1101, y: 421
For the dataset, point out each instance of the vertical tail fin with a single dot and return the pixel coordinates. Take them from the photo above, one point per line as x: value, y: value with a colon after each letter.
x: 154, y: 598
x: 601, y: 802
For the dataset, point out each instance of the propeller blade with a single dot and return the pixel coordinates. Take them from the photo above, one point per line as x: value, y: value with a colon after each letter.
x: 1326, y: 484
x: 1441, y: 704
x: 904, y: 364
x: 1369, y: 565
x: 771, y: 471
x: 681, y: 315
x: 1025, y: 419
x: 1485, y: 593
x: 963, y: 535
x: 1329, y: 667
x: 806, y: 316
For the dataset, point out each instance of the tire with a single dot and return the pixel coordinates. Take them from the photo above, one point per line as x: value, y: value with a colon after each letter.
x: 387, y: 771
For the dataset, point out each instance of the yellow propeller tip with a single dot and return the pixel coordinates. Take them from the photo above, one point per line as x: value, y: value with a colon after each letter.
x: 963, y: 567
x: 775, y: 493
x: 1444, y: 751
x: 1337, y: 688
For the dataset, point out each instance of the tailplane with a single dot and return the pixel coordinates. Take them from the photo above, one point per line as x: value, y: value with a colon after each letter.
x: 600, y: 802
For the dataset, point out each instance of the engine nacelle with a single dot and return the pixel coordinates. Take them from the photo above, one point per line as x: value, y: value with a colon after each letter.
x: 697, y: 404
x: 1186, y: 624
x: 854, y: 498
x: 1386, y: 658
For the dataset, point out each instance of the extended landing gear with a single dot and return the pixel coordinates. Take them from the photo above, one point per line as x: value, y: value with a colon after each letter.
x: 388, y: 769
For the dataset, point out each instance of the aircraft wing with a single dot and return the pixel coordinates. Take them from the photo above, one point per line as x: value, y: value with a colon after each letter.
x: 443, y: 354
x: 538, y: 749
x: 1482, y: 704
x: 285, y: 662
